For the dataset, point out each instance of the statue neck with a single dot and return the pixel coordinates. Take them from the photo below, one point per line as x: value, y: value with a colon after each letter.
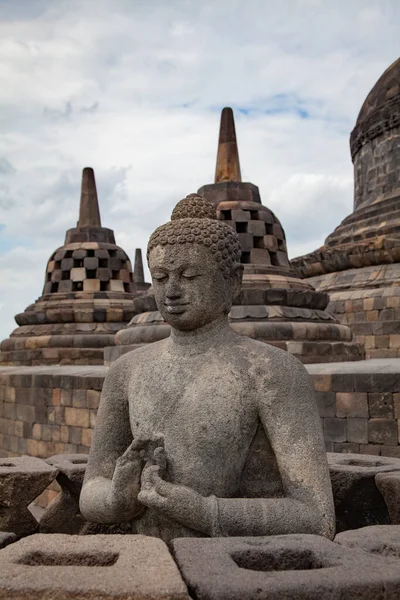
x: 199, y: 339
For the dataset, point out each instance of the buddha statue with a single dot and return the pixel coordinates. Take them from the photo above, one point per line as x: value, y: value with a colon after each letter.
x: 206, y: 433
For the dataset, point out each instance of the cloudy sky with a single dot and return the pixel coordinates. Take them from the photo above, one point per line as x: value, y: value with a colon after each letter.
x: 134, y: 88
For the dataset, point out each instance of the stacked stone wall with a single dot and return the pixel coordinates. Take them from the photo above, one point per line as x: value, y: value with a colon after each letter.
x: 377, y: 168
x: 373, y: 314
x: 45, y: 414
x: 360, y: 413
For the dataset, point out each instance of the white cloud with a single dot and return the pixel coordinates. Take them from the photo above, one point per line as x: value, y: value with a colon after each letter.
x: 134, y: 89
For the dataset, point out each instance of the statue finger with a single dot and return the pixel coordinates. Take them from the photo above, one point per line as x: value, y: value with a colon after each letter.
x: 160, y: 458
x: 136, y: 446
x: 150, y: 477
x: 151, y: 499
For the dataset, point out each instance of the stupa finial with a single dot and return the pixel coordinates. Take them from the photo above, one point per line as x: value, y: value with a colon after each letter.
x: 89, y: 213
x: 228, y: 165
x: 138, y: 272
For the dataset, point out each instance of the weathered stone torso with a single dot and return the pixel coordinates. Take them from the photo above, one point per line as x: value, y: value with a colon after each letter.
x: 205, y: 404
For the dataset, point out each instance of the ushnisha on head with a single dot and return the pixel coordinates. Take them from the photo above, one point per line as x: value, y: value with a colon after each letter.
x: 194, y: 260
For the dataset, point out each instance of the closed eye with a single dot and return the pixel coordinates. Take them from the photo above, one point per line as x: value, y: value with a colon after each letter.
x: 190, y: 275
x: 161, y: 277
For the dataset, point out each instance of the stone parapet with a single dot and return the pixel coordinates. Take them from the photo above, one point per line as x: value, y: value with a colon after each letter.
x: 52, y: 410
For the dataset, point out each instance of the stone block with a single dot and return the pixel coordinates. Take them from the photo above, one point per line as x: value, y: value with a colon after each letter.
x: 351, y: 404
x: 260, y: 257
x: 56, y: 397
x: 383, y: 540
x: 121, y: 566
x: 63, y: 515
x: 25, y: 413
x: 326, y: 402
x: 104, y: 274
x: 77, y: 417
x: 115, y: 285
x: 67, y: 264
x: 65, y: 286
x: 78, y: 274
x: 287, y: 567
x: 256, y: 228
x: 343, y: 382
x: 357, y: 430
x: 93, y: 399
x: 91, y: 263
x: 91, y: 285
x: 79, y: 398
x: 346, y: 447
x: 381, y: 405
x: 389, y: 486
x: 22, y: 479
x: 390, y: 451
x: 75, y: 435
x: 372, y: 449
x: 246, y: 241
x: 335, y: 430
x: 66, y: 397
x: 270, y: 242
x: 358, y: 502
x: 383, y: 431
x: 241, y: 216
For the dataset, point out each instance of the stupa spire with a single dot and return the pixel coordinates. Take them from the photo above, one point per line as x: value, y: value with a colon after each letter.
x: 89, y: 213
x: 138, y: 272
x: 228, y: 165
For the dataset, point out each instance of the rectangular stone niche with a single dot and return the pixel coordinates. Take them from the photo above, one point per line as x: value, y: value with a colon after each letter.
x: 68, y: 567
x: 285, y: 567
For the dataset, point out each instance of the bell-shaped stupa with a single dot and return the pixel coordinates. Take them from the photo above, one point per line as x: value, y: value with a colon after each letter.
x: 87, y: 296
x: 359, y: 264
x: 275, y: 306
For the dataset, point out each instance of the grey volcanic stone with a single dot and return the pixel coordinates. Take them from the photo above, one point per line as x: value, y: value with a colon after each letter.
x: 378, y: 539
x: 6, y: 538
x: 358, y: 501
x: 22, y: 479
x: 62, y: 514
x: 206, y: 433
x: 89, y: 567
x: 389, y: 486
x: 290, y: 567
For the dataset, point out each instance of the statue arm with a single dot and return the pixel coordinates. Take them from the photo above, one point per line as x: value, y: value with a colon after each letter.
x: 112, y: 479
x: 289, y: 414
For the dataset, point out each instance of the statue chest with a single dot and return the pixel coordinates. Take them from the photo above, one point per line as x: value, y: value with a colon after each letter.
x: 208, y: 420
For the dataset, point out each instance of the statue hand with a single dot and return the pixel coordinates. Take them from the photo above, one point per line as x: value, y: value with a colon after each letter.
x: 125, y: 485
x: 177, y: 502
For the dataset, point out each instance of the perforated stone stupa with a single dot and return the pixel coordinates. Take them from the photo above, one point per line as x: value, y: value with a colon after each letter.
x: 359, y: 264
x: 275, y: 306
x: 87, y: 296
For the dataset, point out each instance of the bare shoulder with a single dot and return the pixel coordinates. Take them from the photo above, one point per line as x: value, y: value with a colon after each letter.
x: 271, y: 363
x: 135, y: 361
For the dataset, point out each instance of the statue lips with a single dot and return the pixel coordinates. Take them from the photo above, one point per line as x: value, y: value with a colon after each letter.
x: 176, y: 309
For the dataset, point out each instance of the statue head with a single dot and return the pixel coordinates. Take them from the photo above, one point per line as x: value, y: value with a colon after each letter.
x: 194, y: 261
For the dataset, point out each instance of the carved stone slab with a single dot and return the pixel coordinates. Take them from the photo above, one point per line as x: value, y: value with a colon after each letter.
x: 383, y: 540
x: 389, y: 486
x: 290, y: 567
x: 358, y: 501
x: 62, y: 515
x: 22, y: 479
x: 87, y: 567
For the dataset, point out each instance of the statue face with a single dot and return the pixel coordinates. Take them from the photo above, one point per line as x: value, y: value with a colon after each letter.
x: 190, y: 289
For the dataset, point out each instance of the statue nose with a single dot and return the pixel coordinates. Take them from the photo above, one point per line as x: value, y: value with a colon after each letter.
x: 173, y: 289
